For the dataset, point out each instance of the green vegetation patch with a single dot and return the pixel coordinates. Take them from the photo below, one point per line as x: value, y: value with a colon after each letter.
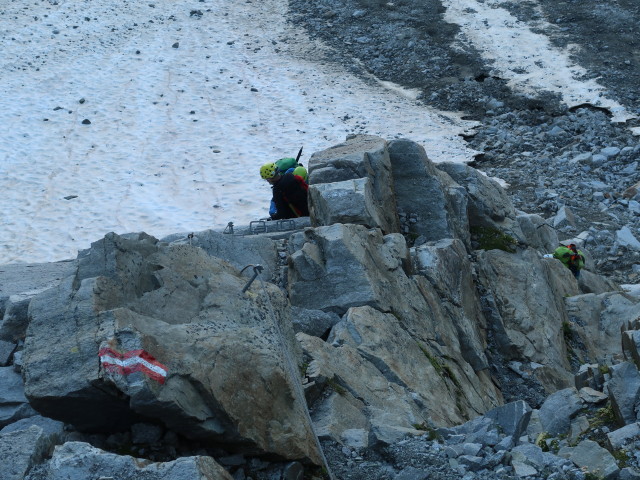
x: 622, y: 457
x: 493, y: 239
x: 336, y: 387
x: 441, y: 369
x: 604, y: 417
x: 431, y: 432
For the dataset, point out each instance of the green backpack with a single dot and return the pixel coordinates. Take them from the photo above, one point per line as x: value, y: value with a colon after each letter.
x: 569, y: 258
x: 288, y: 163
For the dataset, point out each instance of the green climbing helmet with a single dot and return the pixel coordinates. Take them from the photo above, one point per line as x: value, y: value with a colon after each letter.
x: 301, y: 171
x: 268, y: 170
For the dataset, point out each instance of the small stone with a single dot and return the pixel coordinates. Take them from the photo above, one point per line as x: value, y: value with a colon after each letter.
x: 86, y: 121
x: 610, y: 151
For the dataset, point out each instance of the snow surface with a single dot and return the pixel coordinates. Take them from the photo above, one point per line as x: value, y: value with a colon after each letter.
x: 525, y: 58
x: 123, y: 116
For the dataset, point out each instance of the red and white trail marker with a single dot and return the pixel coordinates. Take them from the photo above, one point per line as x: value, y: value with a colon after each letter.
x: 132, y: 361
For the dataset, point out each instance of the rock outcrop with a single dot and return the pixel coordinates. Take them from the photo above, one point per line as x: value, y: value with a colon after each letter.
x: 351, y: 183
x: 161, y: 332
x: 437, y: 204
x: 418, y: 299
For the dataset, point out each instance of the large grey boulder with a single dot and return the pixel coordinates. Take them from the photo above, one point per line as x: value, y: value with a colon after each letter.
x: 598, y: 321
x: 631, y: 345
x: 20, y: 450
x: 630, y: 331
x: 558, y: 410
x: 313, y: 322
x: 592, y: 458
x: 146, y: 330
x: 381, y: 340
x: 439, y: 203
x: 564, y: 217
x: 589, y: 375
x: 14, y: 322
x: 342, y: 417
x: 19, y: 283
x: 26, y: 443
x: 447, y: 267
x: 624, y: 392
x: 348, y: 201
x: 528, y: 459
x: 359, y: 157
x: 512, y: 418
x: 489, y: 206
x: 53, y: 428
x: 622, y: 436
x: 341, y: 266
x: 6, y: 352
x: 81, y: 460
x: 526, y: 296
x: 398, y: 379
x: 13, y: 402
x: 593, y: 283
x: 369, y: 396
x: 500, y: 427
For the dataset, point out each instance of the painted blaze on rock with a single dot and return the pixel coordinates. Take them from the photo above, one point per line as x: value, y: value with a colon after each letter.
x: 149, y: 330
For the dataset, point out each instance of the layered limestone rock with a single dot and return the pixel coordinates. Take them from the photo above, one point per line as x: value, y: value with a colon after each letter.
x: 360, y: 171
x: 489, y: 206
x: 438, y: 203
x: 525, y: 294
x: 393, y: 322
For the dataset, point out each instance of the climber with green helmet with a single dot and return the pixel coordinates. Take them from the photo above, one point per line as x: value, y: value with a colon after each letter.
x: 571, y: 257
x: 289, y: 188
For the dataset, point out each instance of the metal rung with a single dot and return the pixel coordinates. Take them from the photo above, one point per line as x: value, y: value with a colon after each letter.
x: 286, y: 225
x: 229, y: 228
x: 258, y: 226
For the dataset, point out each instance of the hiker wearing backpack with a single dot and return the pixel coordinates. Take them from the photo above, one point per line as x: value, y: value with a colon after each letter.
x: 289, y: 188
x: 571, y: 257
